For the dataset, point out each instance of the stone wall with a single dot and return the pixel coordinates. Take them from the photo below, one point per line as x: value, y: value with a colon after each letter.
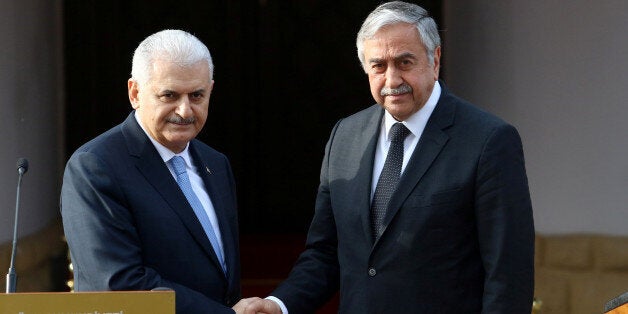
x: 579, y: 273
x: 40, y: 261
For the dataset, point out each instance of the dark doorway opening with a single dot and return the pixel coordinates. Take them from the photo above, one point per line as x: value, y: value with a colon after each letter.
x: 286, y: 71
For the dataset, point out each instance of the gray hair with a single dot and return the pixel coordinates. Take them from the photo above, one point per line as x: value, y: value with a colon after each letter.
x: 400, y: 12
x: 174, y: 45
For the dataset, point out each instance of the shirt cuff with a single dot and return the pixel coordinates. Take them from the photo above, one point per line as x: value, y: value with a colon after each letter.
x: 284, y: 309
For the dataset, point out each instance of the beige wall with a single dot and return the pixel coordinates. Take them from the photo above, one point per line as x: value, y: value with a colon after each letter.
x: 557, y: 70
x: 31, y: 89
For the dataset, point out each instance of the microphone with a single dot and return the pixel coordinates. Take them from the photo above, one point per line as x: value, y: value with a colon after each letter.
x: 22, y: 167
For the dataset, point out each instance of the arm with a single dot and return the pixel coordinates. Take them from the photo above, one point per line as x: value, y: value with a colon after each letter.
x: 105, y: 246
x: 315, y: 277
x: 505, y: 224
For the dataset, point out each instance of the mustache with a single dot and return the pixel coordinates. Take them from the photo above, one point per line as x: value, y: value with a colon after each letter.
x: 404, y: 88
x: 179, y: 120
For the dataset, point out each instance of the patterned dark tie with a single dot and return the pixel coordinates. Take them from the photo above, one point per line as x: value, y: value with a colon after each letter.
x: 388, y: 179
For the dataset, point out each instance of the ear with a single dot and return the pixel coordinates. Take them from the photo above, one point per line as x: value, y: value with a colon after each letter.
x: 210, y: 89
x: 133, y: 89
x: 436, y: 63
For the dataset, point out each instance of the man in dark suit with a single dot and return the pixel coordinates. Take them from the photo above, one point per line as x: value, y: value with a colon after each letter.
x: 423, y: 204
x: 146, y: 205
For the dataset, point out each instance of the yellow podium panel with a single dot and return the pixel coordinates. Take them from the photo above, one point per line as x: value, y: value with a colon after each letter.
x: 619, y: 310
x: 110, y: 302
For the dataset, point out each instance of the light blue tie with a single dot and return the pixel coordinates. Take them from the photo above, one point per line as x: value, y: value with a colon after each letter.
x: 178, y: 164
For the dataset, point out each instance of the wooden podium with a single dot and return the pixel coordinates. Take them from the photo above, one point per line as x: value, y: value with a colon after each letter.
x: 618, y: 305
x: 623, y: 309
x: 110, y: 302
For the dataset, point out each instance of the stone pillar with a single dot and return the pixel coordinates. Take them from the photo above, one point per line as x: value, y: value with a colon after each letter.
x: 557, y: 71
x: 31, y: 126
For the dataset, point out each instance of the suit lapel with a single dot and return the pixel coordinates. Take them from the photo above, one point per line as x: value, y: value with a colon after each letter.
x: 153, y: 168
x: 430, y: 145
x: 211, y: 182
x: 368, y: 136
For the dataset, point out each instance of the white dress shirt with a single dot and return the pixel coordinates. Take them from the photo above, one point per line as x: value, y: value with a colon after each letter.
x: 416, y: 124
x: 195, y: 179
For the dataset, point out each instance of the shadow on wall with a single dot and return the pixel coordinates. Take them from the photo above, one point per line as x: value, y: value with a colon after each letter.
x: 578, y: 274
x: 41, y: 261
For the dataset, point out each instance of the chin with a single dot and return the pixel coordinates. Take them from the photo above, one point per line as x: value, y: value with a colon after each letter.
x: 179, y: 139
x: 397, y: 113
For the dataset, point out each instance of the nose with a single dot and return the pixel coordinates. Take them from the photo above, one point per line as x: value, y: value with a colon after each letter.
x: 393, y: 77
x: 184, y: 108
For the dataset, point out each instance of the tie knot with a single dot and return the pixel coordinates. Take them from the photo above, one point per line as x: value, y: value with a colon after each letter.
x: 399, y: 132
x: 178, y: 164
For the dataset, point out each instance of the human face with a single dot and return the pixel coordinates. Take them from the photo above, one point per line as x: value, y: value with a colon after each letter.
x: 395, y: 58
x: 172, y: 105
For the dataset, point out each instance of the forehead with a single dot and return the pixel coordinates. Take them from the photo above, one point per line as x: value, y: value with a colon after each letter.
x: 393, y: 40
x: 172, y: 75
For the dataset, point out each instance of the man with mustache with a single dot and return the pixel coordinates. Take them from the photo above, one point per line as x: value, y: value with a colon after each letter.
x: 423, y: 204
x: 146, y: 205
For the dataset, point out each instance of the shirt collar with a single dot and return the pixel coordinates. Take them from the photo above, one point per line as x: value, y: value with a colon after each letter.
x: 165, y: 153
x: 417, y: 121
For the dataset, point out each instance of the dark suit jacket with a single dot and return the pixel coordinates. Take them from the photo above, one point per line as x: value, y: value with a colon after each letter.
x: 459, y: 235
x: 129, y: 226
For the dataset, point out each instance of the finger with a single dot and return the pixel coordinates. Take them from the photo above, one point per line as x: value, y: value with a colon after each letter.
x: 243, y: 304
x: 264, y: 306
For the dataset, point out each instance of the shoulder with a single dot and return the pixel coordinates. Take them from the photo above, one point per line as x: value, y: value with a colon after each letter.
x: 107, y: 143
x: 207, y: 155
x: 365, y: 115
x: 127, y: 135
x: 478, y: 129
x: 98, y: 160
x: 361, y: 121
x: 116, y: 149
x: 468, y: 116
x: 205, y: 150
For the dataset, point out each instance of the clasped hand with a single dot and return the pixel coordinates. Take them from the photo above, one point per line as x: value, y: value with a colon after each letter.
x: 256, y: 305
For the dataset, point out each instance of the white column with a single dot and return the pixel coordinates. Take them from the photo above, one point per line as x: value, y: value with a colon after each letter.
x: 557, y: 70
x: 31, y: 112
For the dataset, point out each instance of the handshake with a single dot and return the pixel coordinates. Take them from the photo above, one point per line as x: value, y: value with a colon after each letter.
x: 256, y: 305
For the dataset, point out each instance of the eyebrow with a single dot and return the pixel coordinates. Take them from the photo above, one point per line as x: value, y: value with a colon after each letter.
x: 402, y: 56
x: 201, y: 90
x: 405, y: 55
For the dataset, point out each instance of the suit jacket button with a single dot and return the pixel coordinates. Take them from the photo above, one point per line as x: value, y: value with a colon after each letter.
x: 372, y: 272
